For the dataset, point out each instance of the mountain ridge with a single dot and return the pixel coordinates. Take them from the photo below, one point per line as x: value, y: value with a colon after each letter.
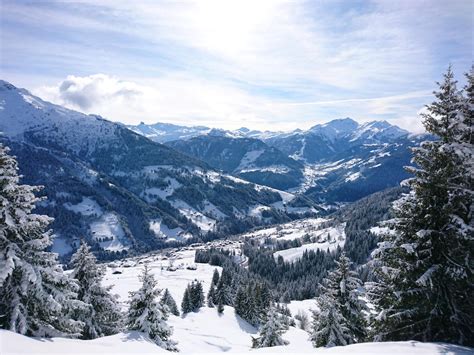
x: 102, y: 172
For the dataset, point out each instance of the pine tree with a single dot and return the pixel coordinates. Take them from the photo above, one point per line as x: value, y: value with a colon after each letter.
x: 263, y: 300
x: 220, y: 307
x: 196, y: 296
x: 102, y: 316
x: 285, y: 316
x: 328, y: 328
x: 211, y: 296
x: 271, y: 331
x: 186, y: 305
x: 215, y: 277
x: 169, y: 302
x: 467, y: 124
x: 302, y: 319
x: 425, y: 263
x: 240, y: 303
x: 146, y: 314
x: 36, y: 297
x: 343, y: 284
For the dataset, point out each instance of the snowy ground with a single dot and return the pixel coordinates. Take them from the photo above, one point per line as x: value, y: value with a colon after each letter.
x: 136, y: 343
x: 174, y: 281
x: 327, y: 239
x: 288, y: 231
x: 323, y: 238
x: 203, y: 332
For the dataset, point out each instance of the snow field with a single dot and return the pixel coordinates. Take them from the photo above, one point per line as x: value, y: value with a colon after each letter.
x: 203, y: 332
x: 328, y: 239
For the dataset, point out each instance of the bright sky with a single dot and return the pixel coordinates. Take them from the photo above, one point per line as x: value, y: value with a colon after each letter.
x: 264, y: 64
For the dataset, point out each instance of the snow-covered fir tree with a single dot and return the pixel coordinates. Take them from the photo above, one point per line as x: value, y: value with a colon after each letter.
x: 340, y: 303
x: 244, y: 305
x: 270, y: 333
x: 220, y: 307
x: 169, y: 302
x: 146, y: 314
x: 303, y: 321
x: 344, y: 285
x: 240, y: 302
x: 285, y: 315
x: 224, y: 292
x: 215, y: 277
x: 102, y: 315
x: 424, y: 265
x: 466, y: 128
x: 211, y: 295
x: 186, y: 306
x: 36, y: 297
x: 193, y: 297
x: 196, y: 296
x: 329, y: 326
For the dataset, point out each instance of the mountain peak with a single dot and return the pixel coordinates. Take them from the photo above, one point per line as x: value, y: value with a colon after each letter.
x: 6, y: 85
x: 336, y: 128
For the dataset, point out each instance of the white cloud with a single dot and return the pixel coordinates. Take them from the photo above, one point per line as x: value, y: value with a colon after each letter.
x: 188, y: 100
x: 178, y: 99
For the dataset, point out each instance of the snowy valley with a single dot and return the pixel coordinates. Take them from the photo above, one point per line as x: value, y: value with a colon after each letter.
x: 205, y: 331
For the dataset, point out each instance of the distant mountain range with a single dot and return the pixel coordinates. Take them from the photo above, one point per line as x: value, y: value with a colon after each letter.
x: 331, y: 131
x: 339, y: 161
x: 122, y: 191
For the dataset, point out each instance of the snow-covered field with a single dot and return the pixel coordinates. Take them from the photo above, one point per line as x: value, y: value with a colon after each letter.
x: 288, y: 231
x: 137, y: 343
x: 203, y: 332
x: 327, y: 239
x: 175, y: 281
x: 322, y: 238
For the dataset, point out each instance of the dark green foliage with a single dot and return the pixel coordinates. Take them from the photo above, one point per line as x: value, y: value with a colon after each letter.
x: 193, y: 298
x: 186, y: 302
x: 215, y: 277
x: 424, y: 266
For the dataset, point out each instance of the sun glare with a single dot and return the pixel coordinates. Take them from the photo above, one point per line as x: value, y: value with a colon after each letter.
x: 230, y: 27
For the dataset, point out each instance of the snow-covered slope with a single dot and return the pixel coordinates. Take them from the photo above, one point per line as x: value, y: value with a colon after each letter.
x: 165, y: 132
x: 314, y: 234
x: 324, y: 239
x: 248, y: 158
x: 137, y: 343
x: 203, y: 332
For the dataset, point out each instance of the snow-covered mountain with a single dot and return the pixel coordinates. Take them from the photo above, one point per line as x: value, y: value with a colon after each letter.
x: 339, y: 161
x: 130, y: 192
x: 326, y: 141
x: 165, y: 132
x: 248, y: 158
x: 332, y: 131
